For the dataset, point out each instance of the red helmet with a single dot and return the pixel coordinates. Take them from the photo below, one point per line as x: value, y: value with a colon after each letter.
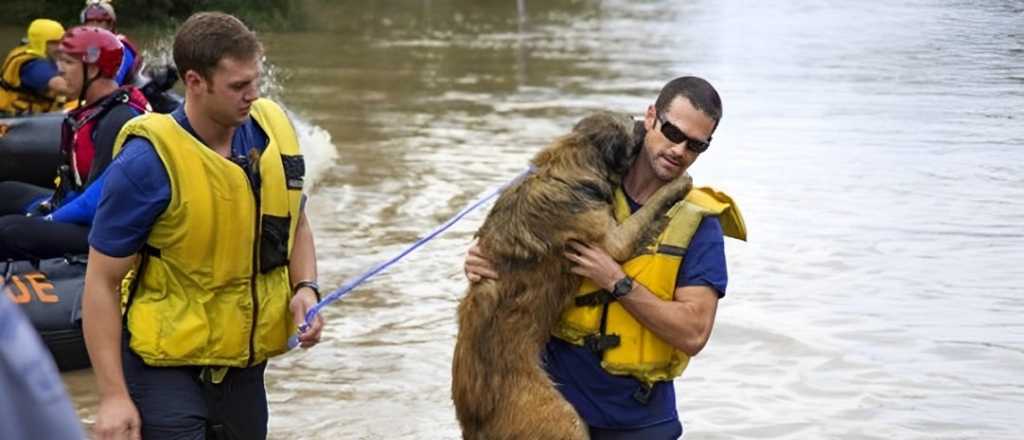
x: 96, y: 46
x: 97, y: 10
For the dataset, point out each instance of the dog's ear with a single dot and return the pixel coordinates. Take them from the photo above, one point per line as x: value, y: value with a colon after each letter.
x: 613, y: 135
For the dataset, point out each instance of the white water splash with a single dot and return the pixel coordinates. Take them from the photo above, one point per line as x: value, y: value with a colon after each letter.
x: 316, y: 145
x: 315, y: 142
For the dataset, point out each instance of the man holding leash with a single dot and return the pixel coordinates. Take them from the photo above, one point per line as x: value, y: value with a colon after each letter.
x: 205, y: 207
x: 634, y: 326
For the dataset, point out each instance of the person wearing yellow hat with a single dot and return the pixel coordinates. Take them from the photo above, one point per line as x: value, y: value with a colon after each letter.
x: 28, y: 78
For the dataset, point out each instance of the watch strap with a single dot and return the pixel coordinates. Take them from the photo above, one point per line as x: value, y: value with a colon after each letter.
x: 622, y: 287
x: 310, y: 284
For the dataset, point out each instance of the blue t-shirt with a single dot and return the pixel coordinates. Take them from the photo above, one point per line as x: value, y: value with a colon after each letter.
x: 605, y: 400
x: 137, y: 189
x: 36, y: 75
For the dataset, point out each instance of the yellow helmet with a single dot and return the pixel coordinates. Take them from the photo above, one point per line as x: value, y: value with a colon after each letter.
x: 40, y: 32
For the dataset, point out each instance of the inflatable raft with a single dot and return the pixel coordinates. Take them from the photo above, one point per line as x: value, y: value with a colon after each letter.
x: 49, y: 292
x: 30, y: 145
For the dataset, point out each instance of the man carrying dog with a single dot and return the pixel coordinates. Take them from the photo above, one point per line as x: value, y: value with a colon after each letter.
x: 205, y: 207
x: 635, y: 325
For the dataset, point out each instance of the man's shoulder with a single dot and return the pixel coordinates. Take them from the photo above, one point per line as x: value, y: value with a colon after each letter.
x: 139, y: 162
x: 34, y: 61
x: 36, y: 73
x: 137, y: 148
x: 707, y: 242
x: 710, y: 229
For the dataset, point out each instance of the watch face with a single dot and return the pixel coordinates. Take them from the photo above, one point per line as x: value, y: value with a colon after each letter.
x: 622, y: 287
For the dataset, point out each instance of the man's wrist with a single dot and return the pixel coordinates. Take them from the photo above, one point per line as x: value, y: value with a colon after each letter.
x: 615, y: 279
x: 622, y: 287
x: 307, y: 284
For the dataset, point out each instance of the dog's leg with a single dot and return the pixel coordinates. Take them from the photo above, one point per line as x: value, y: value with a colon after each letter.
x: 620, y: 241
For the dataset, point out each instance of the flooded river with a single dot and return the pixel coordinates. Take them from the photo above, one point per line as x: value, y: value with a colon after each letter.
x: 876, y: 149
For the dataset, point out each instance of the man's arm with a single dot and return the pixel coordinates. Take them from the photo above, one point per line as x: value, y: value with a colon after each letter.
x: 302, y: 267
x: 41, y: 76
x: 101, y: 324
x: 685, y: 322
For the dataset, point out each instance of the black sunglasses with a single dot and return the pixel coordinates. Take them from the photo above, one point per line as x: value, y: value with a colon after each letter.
x: 676, y: 136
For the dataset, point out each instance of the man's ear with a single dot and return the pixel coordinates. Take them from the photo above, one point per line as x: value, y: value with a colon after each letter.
x: 191, y: 78
x: 649, y: 117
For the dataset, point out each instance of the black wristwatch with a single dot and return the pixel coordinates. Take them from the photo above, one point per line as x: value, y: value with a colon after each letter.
x: 622, y: 287
x: 311, y: 284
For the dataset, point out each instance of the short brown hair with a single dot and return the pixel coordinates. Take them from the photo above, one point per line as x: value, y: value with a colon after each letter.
x: 207, y: 37
x: 701, y: 94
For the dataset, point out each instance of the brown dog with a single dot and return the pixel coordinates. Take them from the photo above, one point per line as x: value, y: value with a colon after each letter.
x: 499, y: 387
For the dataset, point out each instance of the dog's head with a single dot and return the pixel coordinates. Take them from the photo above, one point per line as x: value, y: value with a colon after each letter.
x: 616, y: 137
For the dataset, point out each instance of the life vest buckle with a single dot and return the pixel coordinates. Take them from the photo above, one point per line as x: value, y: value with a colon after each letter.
x: 643, y: 393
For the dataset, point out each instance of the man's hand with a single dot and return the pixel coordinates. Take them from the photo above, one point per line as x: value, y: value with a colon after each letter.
x: 117, y: 419
x: 303, y: 300
x: 594, y: 263
x: 477, y: 266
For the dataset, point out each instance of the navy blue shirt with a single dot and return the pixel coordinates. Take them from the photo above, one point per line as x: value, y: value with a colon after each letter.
x: 36, y: 75
x: 137, y: 189
x: 605, y: 400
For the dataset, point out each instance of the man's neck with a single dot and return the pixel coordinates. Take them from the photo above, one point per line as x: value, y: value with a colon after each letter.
x: 640, y: 183
x: 217, y: 136
x: 99, y: 89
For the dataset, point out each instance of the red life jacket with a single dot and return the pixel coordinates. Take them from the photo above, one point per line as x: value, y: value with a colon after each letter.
x: 77, y: 144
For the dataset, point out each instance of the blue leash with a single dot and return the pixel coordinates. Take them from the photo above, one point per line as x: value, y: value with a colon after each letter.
x: 352, y: 283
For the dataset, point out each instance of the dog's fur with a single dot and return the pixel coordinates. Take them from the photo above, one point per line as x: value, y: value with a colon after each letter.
x: 499, y: 387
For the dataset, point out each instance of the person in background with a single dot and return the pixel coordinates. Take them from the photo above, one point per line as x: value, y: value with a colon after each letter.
x: 100, y: 13
x: 28, y: 78
x: 58, y: 222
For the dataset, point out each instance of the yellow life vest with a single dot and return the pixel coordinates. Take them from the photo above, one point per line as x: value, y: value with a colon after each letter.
x: 211, y: 286
x: 603, y: 325
x: 15, y: 99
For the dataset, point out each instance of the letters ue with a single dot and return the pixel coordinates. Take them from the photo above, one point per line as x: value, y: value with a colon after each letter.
x: 20, y: 288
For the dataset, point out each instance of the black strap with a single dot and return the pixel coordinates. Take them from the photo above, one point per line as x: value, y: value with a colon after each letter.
x: 7, y: 270
x: 592, y: 299
x: 672, y: 250
x: 599, y: 343
x: 70, y: 126
x: 312, y: 285
x: 146, y: 253
x: 120, y: 96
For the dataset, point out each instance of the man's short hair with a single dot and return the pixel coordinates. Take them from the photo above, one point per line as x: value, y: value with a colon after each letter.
x: 698, y: 91
x: 207, y: 37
